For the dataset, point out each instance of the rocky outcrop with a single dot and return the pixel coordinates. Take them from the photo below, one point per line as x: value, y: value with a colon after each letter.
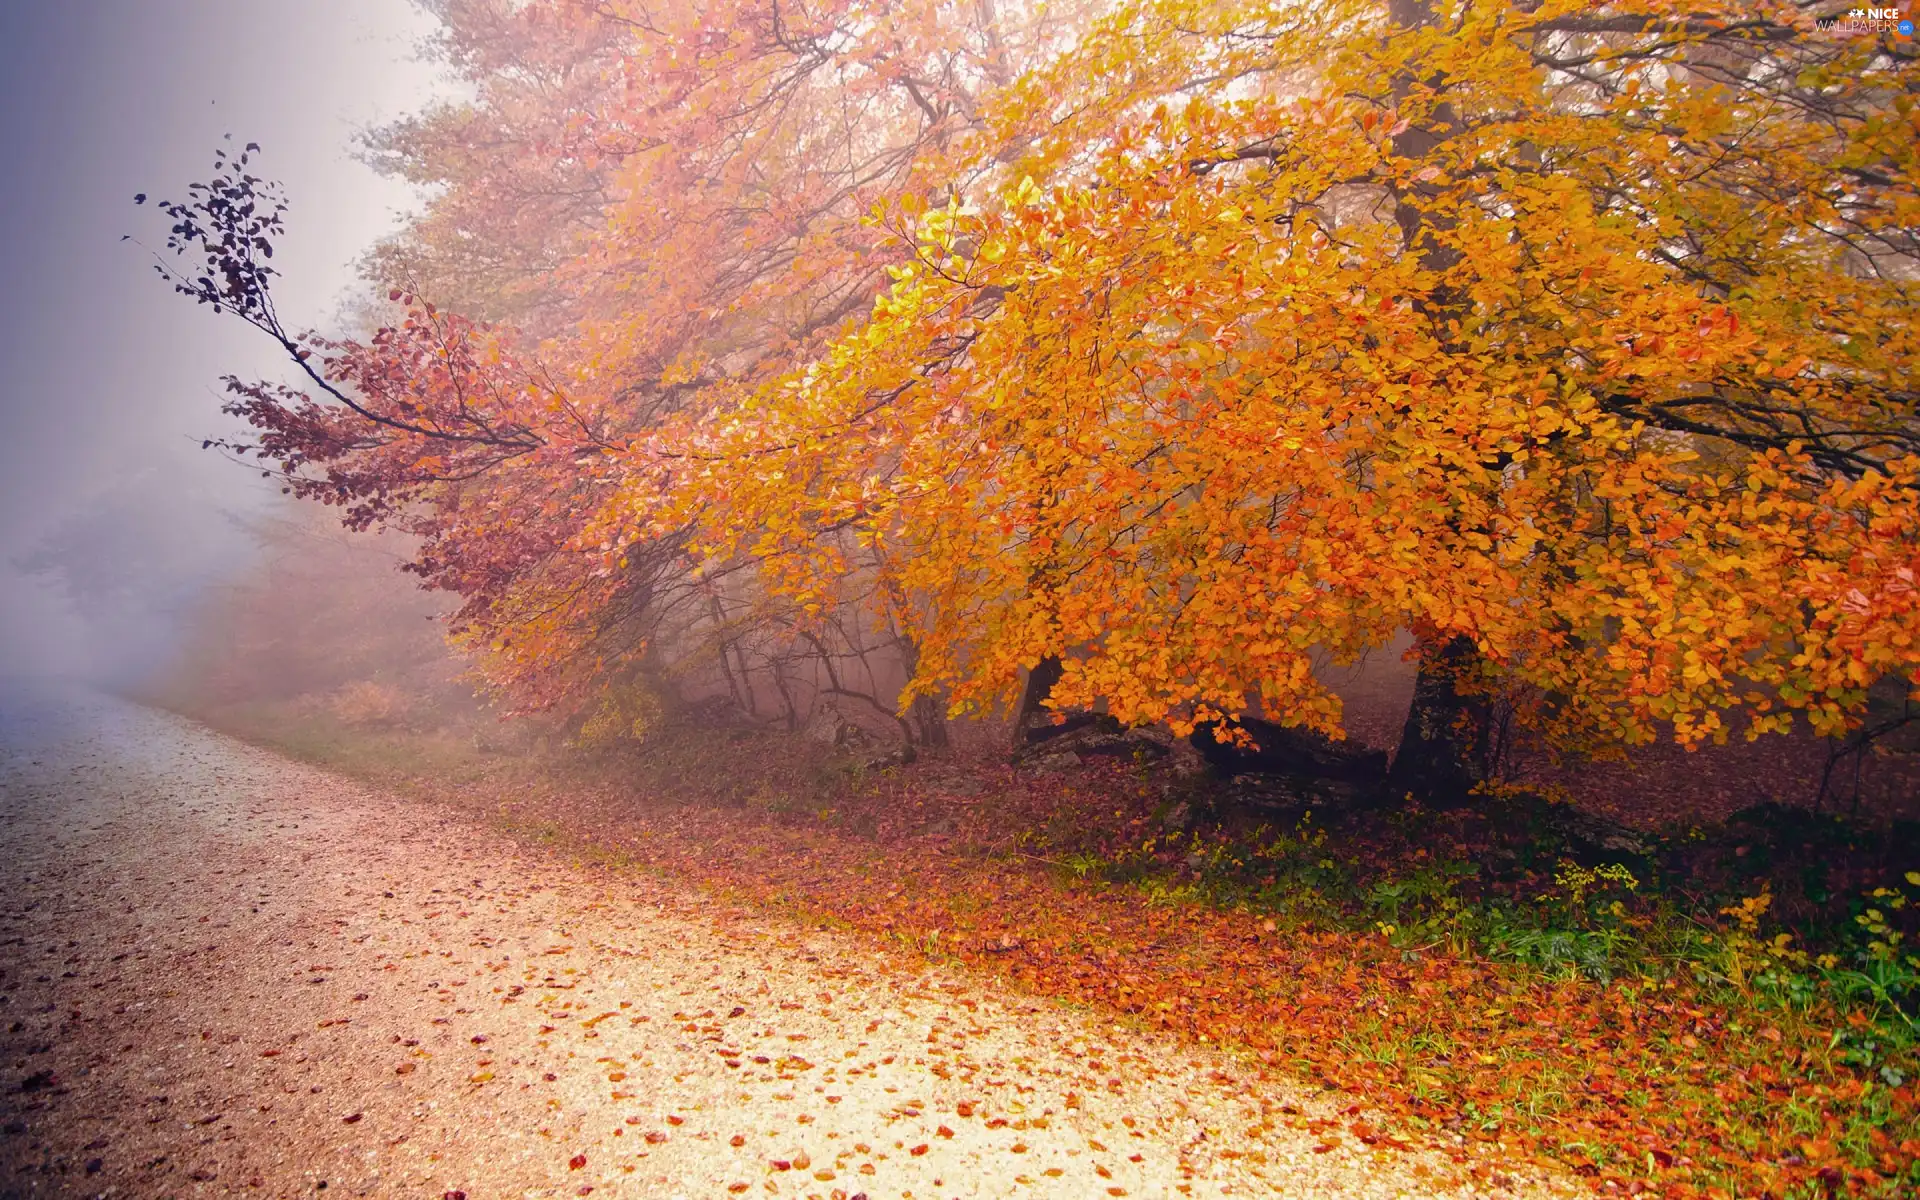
x: 1083, y: 736
x: 1288, y: 750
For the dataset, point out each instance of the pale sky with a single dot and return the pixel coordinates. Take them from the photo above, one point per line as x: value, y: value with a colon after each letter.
x: 110, y: 380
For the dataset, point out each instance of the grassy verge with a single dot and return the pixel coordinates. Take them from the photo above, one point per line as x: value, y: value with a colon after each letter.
x: 1642, y: 1021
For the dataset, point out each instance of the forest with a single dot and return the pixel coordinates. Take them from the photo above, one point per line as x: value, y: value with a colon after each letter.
x: 1378, y: 535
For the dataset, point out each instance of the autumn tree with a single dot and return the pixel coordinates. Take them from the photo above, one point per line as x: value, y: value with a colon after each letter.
x: 1576, y: 340
x: 656, y: 207
x: 1164, y: 349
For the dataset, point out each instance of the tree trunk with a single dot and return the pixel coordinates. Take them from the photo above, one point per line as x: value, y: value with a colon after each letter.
x: 1443, y: 746
x: 932, y: 722
x: 1033, y: 700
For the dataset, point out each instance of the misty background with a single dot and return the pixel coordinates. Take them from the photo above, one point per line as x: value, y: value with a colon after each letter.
x: 114, y: 523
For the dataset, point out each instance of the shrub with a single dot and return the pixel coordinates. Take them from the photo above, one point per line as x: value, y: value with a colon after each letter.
x: 626, y: 714
x: 366, y: 703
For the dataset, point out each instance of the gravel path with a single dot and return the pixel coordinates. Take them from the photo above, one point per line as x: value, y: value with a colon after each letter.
x: 223, y: 972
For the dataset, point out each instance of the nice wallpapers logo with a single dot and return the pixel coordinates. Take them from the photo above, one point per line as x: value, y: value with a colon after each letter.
x: 1869, y: 20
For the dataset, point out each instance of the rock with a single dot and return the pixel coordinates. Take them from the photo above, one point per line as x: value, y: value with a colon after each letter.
x: 826, y: 727
x: 1126, y: 745
x: 1270, y: 792
x: 1143, y: 744
x: 1071, y: 723
x: 893, y: 758
x: 1184, y: 759
x: 1061, y: 760
x: 1289, y: 750
x: 1090, y: 735
x: 1590, y: 833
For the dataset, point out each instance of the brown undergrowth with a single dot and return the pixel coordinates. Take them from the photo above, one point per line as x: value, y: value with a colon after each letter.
x: 1657, y: 1074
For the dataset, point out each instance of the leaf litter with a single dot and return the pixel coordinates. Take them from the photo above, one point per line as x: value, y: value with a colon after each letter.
x: 853, y: 1067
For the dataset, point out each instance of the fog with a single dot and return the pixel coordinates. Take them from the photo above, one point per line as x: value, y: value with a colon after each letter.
x: 113, y: 520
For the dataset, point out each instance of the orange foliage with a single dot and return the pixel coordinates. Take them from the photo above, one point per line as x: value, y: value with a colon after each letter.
x: 1180, y: 341
x: 1624, y: 402
x: 1631, y: 1086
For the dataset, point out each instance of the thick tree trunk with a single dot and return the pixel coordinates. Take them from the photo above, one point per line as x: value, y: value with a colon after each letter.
x: 926, y: 714
x: 1443, y: 746
x: 1033, y: 700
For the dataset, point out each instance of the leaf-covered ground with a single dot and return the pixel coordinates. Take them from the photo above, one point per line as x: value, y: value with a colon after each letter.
x: 1636, y: 1085
x: 223, y: 972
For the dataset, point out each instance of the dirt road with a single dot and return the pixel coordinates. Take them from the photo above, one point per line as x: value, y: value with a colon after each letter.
x: 223, y: 972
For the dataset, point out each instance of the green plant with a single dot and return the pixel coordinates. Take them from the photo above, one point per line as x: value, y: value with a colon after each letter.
x: 1588, y: 952
x: 1081, y: 863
